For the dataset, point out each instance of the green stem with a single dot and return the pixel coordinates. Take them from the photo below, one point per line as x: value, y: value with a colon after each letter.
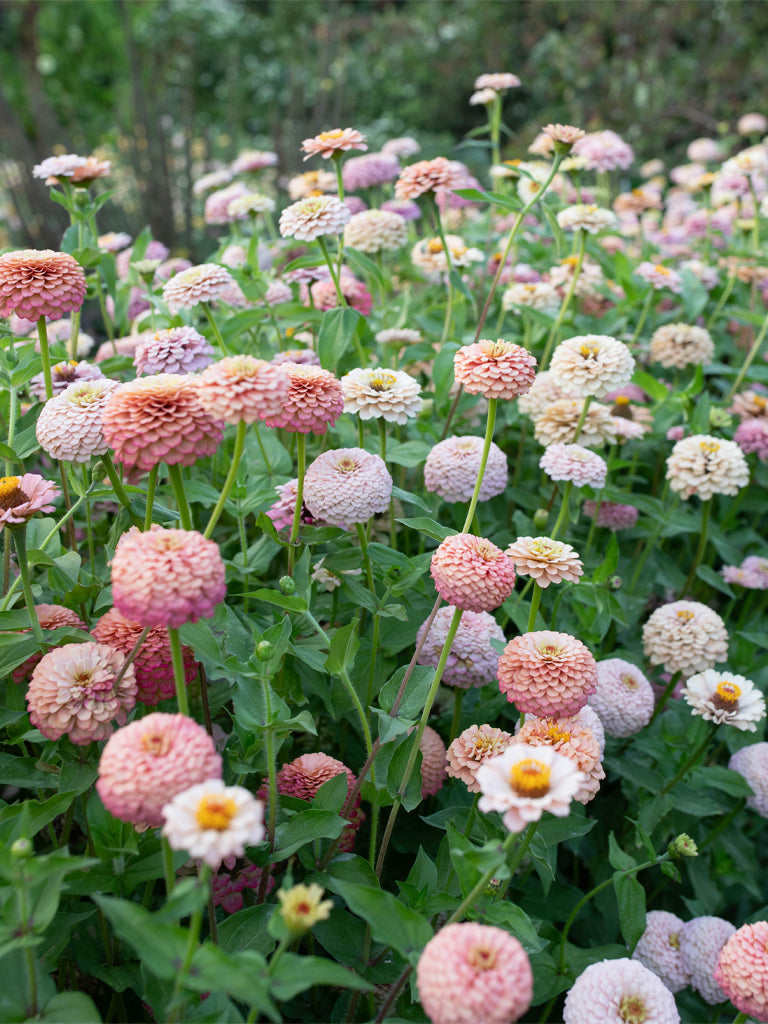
x: 458, y: 699
x: 747, y: 362
x: 151, y: 485
x: 89, y: 524
x: 229, y: 482
x: 20, y: 543
x: 661, y: 703
x: 168, y: 870
x: 177, y: 482
x: 106, y: 319
x: 269, y: 755
x: 29, y: 955
x: 193, y: 940
x: 535, y: 601
x: 301, y: 454
x: 260, y: 443
x: 566, y: 302
x: 471, y: 816
x: 449, y: 268
x: 45, y: 355
x: 178, y: 671
x: 692, y: 760
x: 494, y: 123
x: 74, y: 334
x: 643, y: 315
x: 563, y: 515
x: 344, y: 677
x: 214, y: 327
x: 489, y: 427
x: 117, y: 487
x: 706, y: 506
x: 723, y: 299
x: 334, y: 276
x: 520, y: 852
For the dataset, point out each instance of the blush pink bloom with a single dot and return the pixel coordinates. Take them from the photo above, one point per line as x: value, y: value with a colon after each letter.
x: 75, y: 691
x: 50, y: 616
x: 624, y: 698
x: 548, y: 674
x: 452, y: 465
x: 333, y: 143
x: 22, y: 496
x: 612, y: 515
x: 177, y: 350
x: 603, y: 151
x: 575, y: 463
x: 472, y: 661
x: 367, y: 171
x: 576, y: 742
x: 356, y: 295
x: 281, y: 512
x: 619, y: 992
x: 473, y: 747
x: 659, y: 276
x: 659, y: 949
x: 313, y: 402
x: 495, y: 369
x: 427, y: 176
x: 752, y: 764
x: 701, y: 940
x: 152, y: 665
x: 348, y: 485
x: 472, y: 573
x: 432, y: 762
x: 167, y: 577
x: 145, y: 764
x: 499, y: 81
x: 39, y: 282
x: 159, y: 419
x: 218, y: 204
x: 472, y: 972
x: 242, y: 389
x: 313, y: 217
x: 742, y: 969
x: 69, y: 426
x: 202, y: 283
x: 752, y: 437
x: 545, y: 561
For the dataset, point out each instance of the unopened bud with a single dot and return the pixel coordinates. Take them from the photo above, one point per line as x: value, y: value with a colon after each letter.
x: 614, y: 582
x: 287, y: 584
x: 264, y: 650
x: 540, y: 518
x: 683, y: 846
x: 492, y: 888
x: 22, y: 848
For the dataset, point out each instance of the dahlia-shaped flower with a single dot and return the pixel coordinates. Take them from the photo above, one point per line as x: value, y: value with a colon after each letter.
x: 347, y: 485
x: 624, y: 698
x: 557, y: 424
x: 69, y: 426
x: 39, y: 282
x: 659, y: 949
x: 376, y: 231
x: 167, y: 577
x: 302, y: 777
x: 495, y: 369
x: 742, y: 969
x: 686, y: 637
x: 242, y: 389
x: 525, y: 781
x: 591, y: 364
x: 145, y: 764
x: 473, y: 747
x: 725, y: 698
x: 432, y: 762
x: 752, y: 764
x: 313, y: 217
x: 159, y: 419
x: 611, y: 515
x: 472, y: 972
x: 549, y: 674
x: 576, y: 742
x: 701, y: 940
x: 62, y: 376
x: 74, y: 690
x: 50, y: 616
x: 391, y: 395
x: 332, y: 143
x: 452, y: 465
x: 472, y: 661
x: 211, y: 821
x: 545, y: 561
x: 619, y: 992
x: 603, y: 151
x: 202, y: 283
x: 472, y: 573
x: 22, y: 496
x: 752, y: 437
x: 313, y: 402
x: 587, y: 217
x: 427, y: 176
x: 681, y: 345
x: 543, y: 392
x: 152, y: 664
x: 177, y: 350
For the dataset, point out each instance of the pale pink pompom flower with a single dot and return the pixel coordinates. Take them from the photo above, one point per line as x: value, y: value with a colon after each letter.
x: 167, y: 577
x: 22, y: 496
x: 752, y: 437
x: 177, y: 350
x: 659, y: 949
x: 612, y: 515
x: 472, y: 972
x: 742, y: 969
x: 50, y: 616
x: 63, y: 375
x: 145, y: 764
x: 38, y: 283
x: 624, y: 698
x: 574, y: 463
x: 603, y: 151
x: 473, y: 747
x: 548, y: 674
x: 472, y: 661
x: 619, y: 992
x: 452, y: 465
x: 495, y: 369
x: 314, y: 217
x: 701, y: 940
x: 471, y: 573
x: 752, y: 764
x: 313, y: 402
x: 69, y: 426
x: 242, y: 389
x: 75, y: 691
x: 348, y: 485
x: 202, y: 283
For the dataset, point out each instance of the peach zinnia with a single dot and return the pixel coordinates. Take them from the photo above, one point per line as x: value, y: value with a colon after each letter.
x: 39, y: 282
x: 545, y: 561
x: 333, y: 143
x: 242, y: 389
x: 549, y: 674
x: 473, y: 747
x: 313, y: 402
x: 495, y: 369
x: 471, y: 573
x: 427, y: 176
x: 742, y: 969
x: 577, y: 743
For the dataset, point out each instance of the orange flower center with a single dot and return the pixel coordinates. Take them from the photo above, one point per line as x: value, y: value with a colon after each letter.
x: 557, y: 735
x: 11, y: 493
x: 632, y: 1010
x: 726, y: 696
x: 630, y: 682
x: 621, y: 400
x: 481, y: 958
x: 434, y: 245
x: 530, y: 778
x: 215, y: 812
x: 155, y: 744
x: 759, y: 401
x: 685, y: 615
x: 660, y: 269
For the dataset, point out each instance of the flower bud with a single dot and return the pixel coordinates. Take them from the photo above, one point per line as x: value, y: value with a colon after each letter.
x: 540, y: 518
x: 683, y: 846
x: 22, y: 848
x: 287, y: 584
x: 264, y: 650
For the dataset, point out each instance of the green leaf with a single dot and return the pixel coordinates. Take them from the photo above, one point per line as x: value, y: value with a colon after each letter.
x: 653, y: 387
x: 31, y: 817
x: 416, y: 691
x: 14, y: 651
x: 70, y: 1008
x: 408, y: 454
x: 427, y: 526
x: 303, y: 828
x: 396, y: 773
x: 608, y: 567
x: 247, y: 929
x: 344, y: 646
x: 630, y: 897
x: 714, y: 579
x: 724, y: 779
x: 617, y: 858
x: 512, y: 919
x: 291, y: 602
x: 392, y: 923
x: 160, y: 946
x: 337, y: 329
x: 295, y: 974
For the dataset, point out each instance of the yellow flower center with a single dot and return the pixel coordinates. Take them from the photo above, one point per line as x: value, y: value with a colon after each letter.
x: 674, y: 940
x: 486, y: 551
x: 512, y: 163
x: 621, y: 400
x: 685, y: 615
x: 482, y: 745
x: 709, y: 447
x: 557, y: 735
x: 569, y: 261
x: 346, y: 464
x: 215, y: 812
x: 290, y: 331
x: 630, y: 682
x: 589, y: 349
x: 481, y: 958
x: 632, y: 1010
x: 495, y: 349
x: 550, y: 651
x: 760, y: 402
x: 434, y: 245
x: 11, y: 493
x: 458, y: 250
x: 382, y: 381
x: 530, y: 778
x: 660, y: 269
x: 546, y: 548
x: 331, y: 136
x: 534, y: 185
x: 155, y: 744
x: 726, y: 696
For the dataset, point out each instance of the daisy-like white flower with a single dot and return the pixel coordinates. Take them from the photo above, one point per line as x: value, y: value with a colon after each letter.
x: 202, y: 283
x: 391, y: 395
x: 545, y: 561
x: 704, y: 465
x: 212, y: 821
x: 725, y: 698
x: 525, y: 781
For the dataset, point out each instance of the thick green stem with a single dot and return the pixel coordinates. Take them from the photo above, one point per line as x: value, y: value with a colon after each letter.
x: 535, y: 602
x: 89, y: 524
x: 168, y: 870
x: 45, y: 355
x: 489, y: 427
x: 352, y: 693
x: 20, y: 543
x: 178, y: 671
x: 177, y: 482
x: 117, y: 487
x: 231, y: 476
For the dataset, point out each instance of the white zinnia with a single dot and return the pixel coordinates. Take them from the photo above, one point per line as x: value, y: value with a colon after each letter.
x: 212, y: 821
x: 587, y: 217
x: 726, y: 699
x: 592, y: 364
x: 392, y: 395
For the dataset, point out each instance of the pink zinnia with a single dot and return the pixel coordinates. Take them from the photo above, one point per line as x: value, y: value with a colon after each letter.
x: 50, y: 616
x: 242, y: 389
x: 752, y: 764
x: 472, y: 573
x: 619, y: 992
x: 333, y: 143
x: 313, y: 402
x: 310, y: 218
x: 281, y: 512
x: 167, y: 577
x: 659, y: 949
x: 575, y: 463
x: 752, y: 437
x: 549, y: 674
x: 356, y: 295
x: 69, y: 426
x: 432, y: 762
x: 63, y: 375
x: 742, y: 970
x: 472, y: 660
x: 202, y: 283
x: 474, y: 972
x: 701, y: 940
x: 159, y: 419
x: 39, y: 282
x: 348, y: 485
x: 177, y: 350
x: 369, y: 170
x: 152, y: 665
x: 473, y: 747
x: 495, y: 369
x: 75, y: 690
x: 452, y: 466
x: 624, y: 698
x: 427, y: 176
x: 611, y: 514
x: 604, y: 151
x: 145, y: 764
x: 22, y: 496
x: 659, y: 276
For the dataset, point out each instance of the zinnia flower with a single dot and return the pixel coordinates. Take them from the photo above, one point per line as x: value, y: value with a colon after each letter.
x: 314, y: 217
x: 69, y: 426
x: 611, y: 514
x: 391, y: 395
x: 313, y: 402
x: 39, y: 282
x: 525, y: 781
x: 557, y: 424
x: 75, y: 690
x: 685, y: 636
x: 472, y: 573
x: 376, y: 231
x: 145, y: 764
x: 333, y: 143
x: 251, y: 160
x: 495, y: 369
x: 545, y: 561
x: 452, y: 465
x: 473, y: 747
x: 62, y: 376
x: 348, y: 485
x: 705, y: 466
x: 549, y: 674
x: 212, y: 821
x: 242, y: 389
x: 659, y: 949
x: 167, y: 577
x: 50, y: 616
x: 472, y: 660
x: 591, y: 364
x: 752, y: 764
x: 742, y: 969
x: 574, y: 741
x: 701, y: 940
x: 681, y: 345
x: 586, y: 217
x: 302, y: 906
x: 178, y: 350
x: 725, y: 698
x: 472, y: 972
x: 22, y: 496
x: 752, y: 437
x: 500, y: 81
x: 432, y: 762
x: 427, y: 176
x: 660, y: 276
x: 202, y: 283
x: 604, y: 151
x: 575, y: 463
x: 367, y: 171
x: 619, y: 992
x: 624, y: 698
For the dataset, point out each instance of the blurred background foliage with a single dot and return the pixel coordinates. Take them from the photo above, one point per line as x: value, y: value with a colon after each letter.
x: 169, y: 89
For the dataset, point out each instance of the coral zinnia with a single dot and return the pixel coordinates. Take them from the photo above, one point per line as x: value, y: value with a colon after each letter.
x: 39, y: 282
x: 313, y: 402
x: 545, y: 561
x: 742, y: 969
x: 473, y: 747
x: 242, y: 389
x: 472, y: 573
x: 495, y: 369
x: 549, y: 674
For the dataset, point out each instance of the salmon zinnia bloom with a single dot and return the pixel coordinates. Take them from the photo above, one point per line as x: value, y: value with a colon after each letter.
x: 242, y: 389
x: 427, y: 176
x: 545, y: 561
x: 742, y: 970
x: 549, y: 674
x: 471, y: 573
x: 495, y: 369
x: 40, y: 282
x: 313, y: 402
x: 333, y: 143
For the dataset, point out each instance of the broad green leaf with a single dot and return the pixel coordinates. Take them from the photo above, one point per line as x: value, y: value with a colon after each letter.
x: 630, y: 897
x: 337, y: 329
x: 391, y: 921
x: 617, y: 858
x: 303, y: 828
x: 295, y: 974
